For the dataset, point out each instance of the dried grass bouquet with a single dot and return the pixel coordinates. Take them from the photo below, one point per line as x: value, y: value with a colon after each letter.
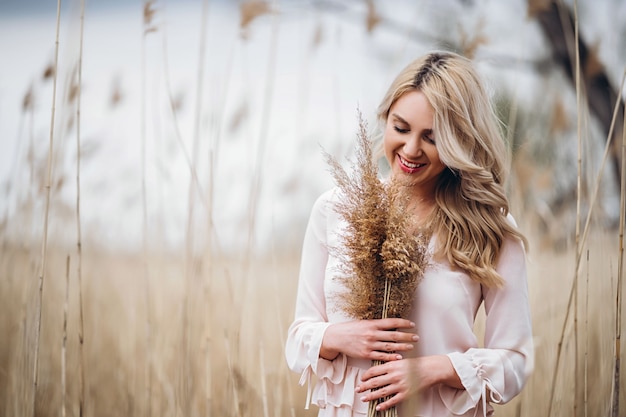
x: 383, y: 257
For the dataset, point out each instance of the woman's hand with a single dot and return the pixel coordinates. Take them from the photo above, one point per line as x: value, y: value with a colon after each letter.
x: 368, y: 339
x: 401, y: 379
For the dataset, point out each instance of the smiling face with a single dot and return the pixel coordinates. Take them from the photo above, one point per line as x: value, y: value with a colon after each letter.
x: 409, y: 143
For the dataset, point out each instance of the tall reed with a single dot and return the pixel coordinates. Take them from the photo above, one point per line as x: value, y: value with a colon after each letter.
x: 44, y: 239
x: 64, y: 340
x: 79, y: 244
x: 148, y: 27
x: 620, y: 270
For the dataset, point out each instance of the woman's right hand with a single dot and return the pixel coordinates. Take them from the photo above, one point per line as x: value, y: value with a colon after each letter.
x: 368, y: 339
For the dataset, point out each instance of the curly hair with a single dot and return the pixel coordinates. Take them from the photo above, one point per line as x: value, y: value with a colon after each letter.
x: 470, y: 220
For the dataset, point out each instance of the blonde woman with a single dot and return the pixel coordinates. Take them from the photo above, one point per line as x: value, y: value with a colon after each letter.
x: 441, y: 139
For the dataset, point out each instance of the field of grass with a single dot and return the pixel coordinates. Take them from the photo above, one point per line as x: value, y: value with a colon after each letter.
x: 174, y: 337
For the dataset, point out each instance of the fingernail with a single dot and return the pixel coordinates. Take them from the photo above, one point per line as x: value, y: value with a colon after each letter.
x: 416, y: 338
x: 398, y: 357
x: 358, y: 388
x: 363, y: 399
x: 412, y: 324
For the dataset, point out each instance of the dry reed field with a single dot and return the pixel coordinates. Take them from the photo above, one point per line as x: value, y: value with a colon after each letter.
x: 208, y: 337
x: 90, y: 329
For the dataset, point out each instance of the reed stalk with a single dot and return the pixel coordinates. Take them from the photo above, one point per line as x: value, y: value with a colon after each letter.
x: 79, y: 248
x: 64, y: 342
x: 263, y: 133
x: 579, y: 110
x: 371, y: 406
x: 231, y: 372
x: 44, y: 239
x: 148, y: 13
x: 586, y: 354
x: 266, y: 412
x: 620, y: 270
x: 207, y: 291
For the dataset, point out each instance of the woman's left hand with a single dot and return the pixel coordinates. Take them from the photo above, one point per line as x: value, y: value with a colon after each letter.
x: 402, y: 378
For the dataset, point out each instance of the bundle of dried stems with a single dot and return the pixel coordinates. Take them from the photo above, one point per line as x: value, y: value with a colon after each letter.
x: 383, y: 254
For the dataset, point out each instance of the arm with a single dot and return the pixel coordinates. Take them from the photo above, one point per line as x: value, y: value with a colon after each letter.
x: 305, y: 334
x: 500, y: 369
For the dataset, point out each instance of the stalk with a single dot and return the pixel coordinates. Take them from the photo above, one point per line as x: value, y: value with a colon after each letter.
x: 207, y: 291
x: 266, y: 412
x: 578, y: 200
x: 620, y: 270
x: 64, y: 343
x: 148, y: 13
x: 263, y: 133
x: 81, y: 329
x: 44, y: 240
x: 586, y: 363
x: 231, y: 372
x: 371, y: 409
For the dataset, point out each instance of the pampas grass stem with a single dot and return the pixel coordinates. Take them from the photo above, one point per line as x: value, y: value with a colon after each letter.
x: 44, y: 239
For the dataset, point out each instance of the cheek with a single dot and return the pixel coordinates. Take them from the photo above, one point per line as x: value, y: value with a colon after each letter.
x: 433, y: 155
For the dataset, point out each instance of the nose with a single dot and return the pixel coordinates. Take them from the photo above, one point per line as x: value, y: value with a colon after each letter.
x: 413, y: 146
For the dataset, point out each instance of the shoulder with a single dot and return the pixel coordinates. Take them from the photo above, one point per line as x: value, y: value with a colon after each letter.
x: 326, y: 201
x: 323, y: 216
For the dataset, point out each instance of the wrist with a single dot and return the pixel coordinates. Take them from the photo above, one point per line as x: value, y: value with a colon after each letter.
x: 327, y: 349
x: 447, y: 374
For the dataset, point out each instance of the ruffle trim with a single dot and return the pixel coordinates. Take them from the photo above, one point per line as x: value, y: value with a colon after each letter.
x: 336, y: 386
x: 474, y: 395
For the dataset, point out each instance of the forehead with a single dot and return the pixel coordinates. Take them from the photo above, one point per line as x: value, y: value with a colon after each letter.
x: 412, y: 106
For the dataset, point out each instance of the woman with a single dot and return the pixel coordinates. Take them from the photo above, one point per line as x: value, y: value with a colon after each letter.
x: 441, y: 139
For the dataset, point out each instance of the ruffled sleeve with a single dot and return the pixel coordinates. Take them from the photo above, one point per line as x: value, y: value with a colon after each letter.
x: 498, y: 372
x: 304, y: 338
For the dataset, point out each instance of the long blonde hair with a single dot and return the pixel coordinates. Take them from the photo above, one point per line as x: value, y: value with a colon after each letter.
x: 470, y: 221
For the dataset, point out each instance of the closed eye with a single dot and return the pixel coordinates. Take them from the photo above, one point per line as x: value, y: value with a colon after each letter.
x: 400, y: 130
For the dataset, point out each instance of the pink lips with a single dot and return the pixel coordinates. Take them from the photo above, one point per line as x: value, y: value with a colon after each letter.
x: 403, y: 163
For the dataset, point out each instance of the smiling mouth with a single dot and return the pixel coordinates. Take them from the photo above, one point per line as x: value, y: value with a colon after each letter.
x: 409, y: 165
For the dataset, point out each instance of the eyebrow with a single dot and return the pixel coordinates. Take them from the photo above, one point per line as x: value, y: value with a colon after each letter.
x: 397, y: 116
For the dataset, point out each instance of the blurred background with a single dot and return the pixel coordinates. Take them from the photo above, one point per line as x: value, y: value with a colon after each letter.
x: 158, y: 161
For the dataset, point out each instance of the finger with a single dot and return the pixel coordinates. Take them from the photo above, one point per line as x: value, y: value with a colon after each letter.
x: 376, y: 371
x: 395, y: 323
x: 377, y: 355
x: 390, y: 347
x: 390, y: 402
x: 373, y: 389
x: 398, y: 337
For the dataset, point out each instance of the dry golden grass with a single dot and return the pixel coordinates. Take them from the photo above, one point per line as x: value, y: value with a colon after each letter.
x: 238, y: 315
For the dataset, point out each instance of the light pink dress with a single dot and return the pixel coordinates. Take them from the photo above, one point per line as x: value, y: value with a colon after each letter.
x: 446, y: 303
